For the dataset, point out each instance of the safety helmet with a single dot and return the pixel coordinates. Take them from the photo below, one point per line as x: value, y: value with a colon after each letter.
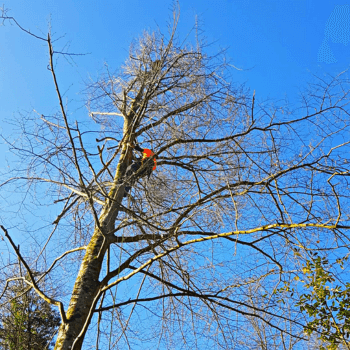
x: 147, y: 153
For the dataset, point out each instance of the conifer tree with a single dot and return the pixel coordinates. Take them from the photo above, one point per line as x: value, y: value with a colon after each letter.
x: 27, y: 322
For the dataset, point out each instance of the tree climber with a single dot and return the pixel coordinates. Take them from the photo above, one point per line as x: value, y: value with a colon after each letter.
x: 140, y: 167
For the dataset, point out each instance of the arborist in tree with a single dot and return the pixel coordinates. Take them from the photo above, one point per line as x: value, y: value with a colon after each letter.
x: 140, y: 167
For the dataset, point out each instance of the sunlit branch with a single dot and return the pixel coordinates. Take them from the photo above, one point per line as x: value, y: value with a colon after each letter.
x: 32, y: 282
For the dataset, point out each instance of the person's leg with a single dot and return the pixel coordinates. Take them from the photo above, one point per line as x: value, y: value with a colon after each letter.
x: 126, y: 191
x: 130, y: 171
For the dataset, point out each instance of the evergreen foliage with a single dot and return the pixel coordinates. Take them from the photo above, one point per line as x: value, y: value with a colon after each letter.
x: 27, y: 322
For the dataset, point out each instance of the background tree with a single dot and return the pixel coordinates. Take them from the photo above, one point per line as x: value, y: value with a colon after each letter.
x: 244, y: 193
x: 326, y: 301
x: 27, y: 322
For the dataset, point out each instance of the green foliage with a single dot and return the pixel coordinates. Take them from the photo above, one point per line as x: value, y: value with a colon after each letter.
x: 328, y: 305
x: 27, y: 322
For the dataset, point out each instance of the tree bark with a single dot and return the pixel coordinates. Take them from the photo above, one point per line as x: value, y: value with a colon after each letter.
x: 87, y: 285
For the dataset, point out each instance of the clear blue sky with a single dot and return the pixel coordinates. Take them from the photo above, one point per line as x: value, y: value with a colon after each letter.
x: 277, y: 45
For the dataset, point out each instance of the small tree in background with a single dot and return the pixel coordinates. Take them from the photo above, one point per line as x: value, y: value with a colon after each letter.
x: 27, y: 322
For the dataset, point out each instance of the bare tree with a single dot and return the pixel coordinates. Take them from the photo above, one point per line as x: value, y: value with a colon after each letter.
x: 243, y: 193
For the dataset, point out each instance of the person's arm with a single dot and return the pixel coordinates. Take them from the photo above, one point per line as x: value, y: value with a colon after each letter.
x: 138, y: 148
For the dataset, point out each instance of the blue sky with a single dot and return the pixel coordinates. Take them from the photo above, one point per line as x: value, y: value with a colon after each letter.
x: 277, y: 46
x: 275, y: 43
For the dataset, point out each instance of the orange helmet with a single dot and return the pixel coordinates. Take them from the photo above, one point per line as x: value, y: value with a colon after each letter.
x: 147, y: 153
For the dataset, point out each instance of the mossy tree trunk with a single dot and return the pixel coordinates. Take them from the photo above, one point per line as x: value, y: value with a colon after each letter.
x: 87, y: 285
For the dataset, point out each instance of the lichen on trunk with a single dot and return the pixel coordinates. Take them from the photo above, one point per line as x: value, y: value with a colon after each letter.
x: 87, y: 285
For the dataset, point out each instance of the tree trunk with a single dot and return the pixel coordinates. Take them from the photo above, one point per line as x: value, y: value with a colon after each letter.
x: 84, y: 292
x: 87, y: 284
